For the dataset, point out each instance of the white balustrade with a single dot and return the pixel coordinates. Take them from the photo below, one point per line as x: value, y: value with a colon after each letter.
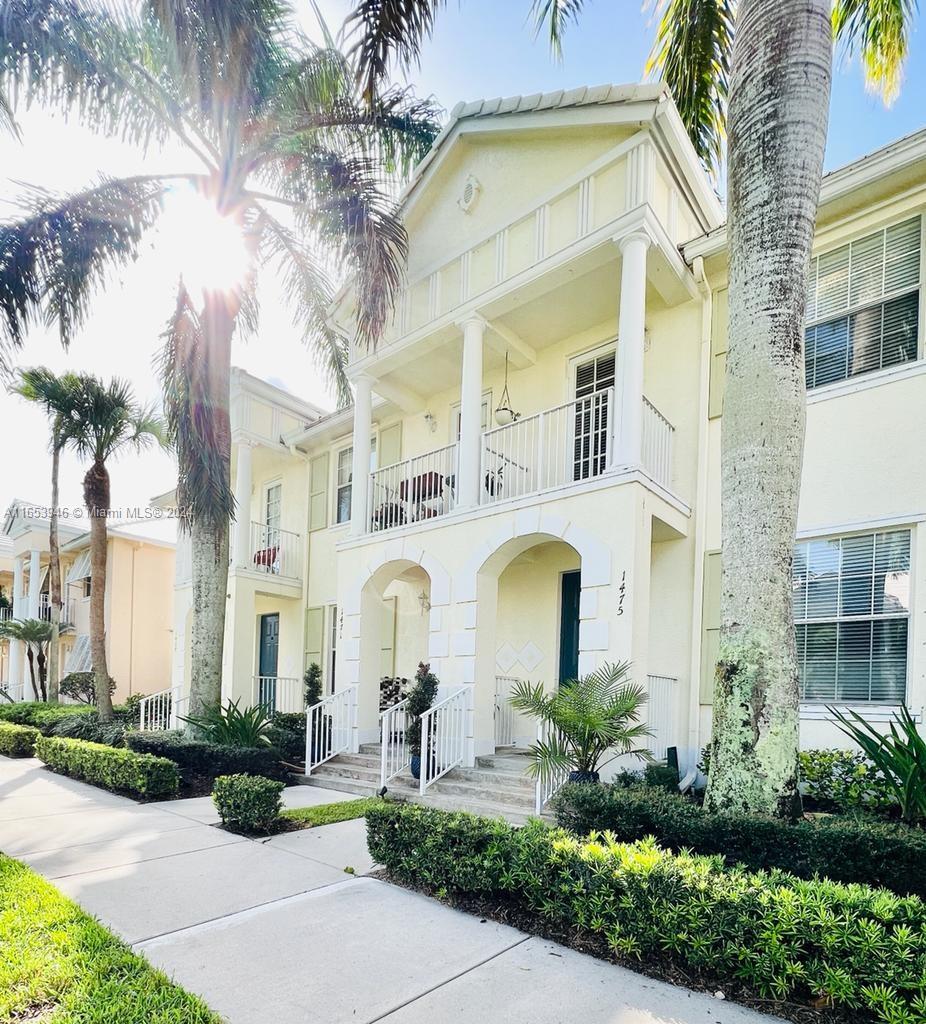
x: 275, y: 552
x: 504, y: 712
x: 443, y: 738
x: 160, y: 711
x: 395, y: 756
x: 418, y: 488
x: 549, y: 783
x: 331, y: 727
x: 6, y: 614
x: 279, y: 693
x: 660, y: 712
x: 658, y: 434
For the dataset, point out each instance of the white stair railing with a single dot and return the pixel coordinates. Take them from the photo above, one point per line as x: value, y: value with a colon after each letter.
x: 504, y: 712
x: 331, y: 727
x: 660, y: 712
x: 279, y: 693
x: 394, y: 723
x: 546, y: 787
x: 160, y: 711
x: 443, y: 738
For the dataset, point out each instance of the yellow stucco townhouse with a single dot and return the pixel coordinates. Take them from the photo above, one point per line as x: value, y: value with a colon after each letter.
x: 528, y: 483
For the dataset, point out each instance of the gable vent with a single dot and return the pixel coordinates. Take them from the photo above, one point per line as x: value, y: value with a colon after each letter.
x: 470, y: 194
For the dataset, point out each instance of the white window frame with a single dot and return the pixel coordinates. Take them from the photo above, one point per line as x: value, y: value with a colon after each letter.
x: 265, y: 494
x: 335, y: 486
x: 455, y: 414
x: 332, y: 644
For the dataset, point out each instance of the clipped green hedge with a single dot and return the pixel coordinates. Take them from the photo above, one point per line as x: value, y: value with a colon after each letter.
x: 843, y: 849
x: 198, y: 759
x: 248, y: 803
x: 121, y: 771
x: 778, y: 936
x: 17, y: 740
x: 40, y: 715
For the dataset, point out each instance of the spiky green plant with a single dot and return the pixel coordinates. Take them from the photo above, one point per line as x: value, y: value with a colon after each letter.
x: 592, y: 721
x: 232, y: 726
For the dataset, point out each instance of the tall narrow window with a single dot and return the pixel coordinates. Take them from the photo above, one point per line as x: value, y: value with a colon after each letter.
x: 332, y: 644
x: 273, y: 506
x: 863, y: 305
x: 594, y: 378
x: 852, y: 612
x: 345, y: 470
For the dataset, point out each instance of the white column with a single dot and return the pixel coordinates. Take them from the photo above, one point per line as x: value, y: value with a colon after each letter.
x: 360, y: 467
x: 470, y: 412
x: 16, y: 646
x: 628, y: 385
x: 243, y: 506
x: 35, y: 582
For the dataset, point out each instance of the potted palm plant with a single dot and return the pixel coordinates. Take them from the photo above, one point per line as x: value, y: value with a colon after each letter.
x: 420, y: 698
x: 590, y: 722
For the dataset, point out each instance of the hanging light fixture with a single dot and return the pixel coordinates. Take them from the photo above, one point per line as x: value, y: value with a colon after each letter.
x: 504, y: 414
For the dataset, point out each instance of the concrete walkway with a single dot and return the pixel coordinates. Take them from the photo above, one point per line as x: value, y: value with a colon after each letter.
x: 277, y: 930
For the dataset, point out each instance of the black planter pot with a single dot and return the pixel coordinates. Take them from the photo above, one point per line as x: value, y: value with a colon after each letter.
x: 415, y: 766
x: 583, y: 776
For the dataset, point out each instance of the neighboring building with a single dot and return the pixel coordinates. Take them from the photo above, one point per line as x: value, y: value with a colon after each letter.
x: 529, y: 483
x: 139, y: 597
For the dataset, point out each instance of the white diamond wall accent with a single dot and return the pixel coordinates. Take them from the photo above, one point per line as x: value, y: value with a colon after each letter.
x: 506, y: 657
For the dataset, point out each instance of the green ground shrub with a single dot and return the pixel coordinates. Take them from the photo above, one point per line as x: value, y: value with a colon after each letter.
x: 778, y: 936
x: 197, y: 759
x: 40, y: 715
x: 122, y: 771
x: 287, y: 735
x: 845, y: 849
x: 843, y: 781
x: 17, y: 740
x: 89, y: 727
x: 248, y: 803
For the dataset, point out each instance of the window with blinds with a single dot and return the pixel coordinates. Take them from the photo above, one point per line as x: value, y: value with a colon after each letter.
x: 852, y: 612
x: 863, y: 305
x: 590, y: 427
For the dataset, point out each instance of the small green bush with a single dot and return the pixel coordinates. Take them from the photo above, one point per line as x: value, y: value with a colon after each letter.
x: 82, y: 686
x: 778, y: 936
x: 40, y: 715
x: 17, y: 740
x: 199, y: 760
x: 842, y: 781
x: 248, y: 803
x: 122, y: 771
x: 89, y: 727
x: 844, y: 849
x: 287, y: 735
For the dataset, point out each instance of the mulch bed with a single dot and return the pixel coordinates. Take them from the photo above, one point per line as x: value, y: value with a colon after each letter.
x: 504, y: 910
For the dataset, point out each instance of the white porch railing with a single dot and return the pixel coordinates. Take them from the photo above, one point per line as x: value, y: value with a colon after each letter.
x: 393, y: 724
x: 276, y: 552
x: 545, y: 788
x: 559, y: 446
x: 504, y: 712
x: 331, y: 727
x: 661, y: 712
x: 419, y: 488
x: 443, y: 738
x: 279, y: 693
x: 6, y: 614
x: 15, y: 691
x: 160, y: 711
x: 658, y: 435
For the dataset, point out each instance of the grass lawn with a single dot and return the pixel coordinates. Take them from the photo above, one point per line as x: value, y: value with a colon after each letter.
x: 60, y: 966
x: 328, y: 814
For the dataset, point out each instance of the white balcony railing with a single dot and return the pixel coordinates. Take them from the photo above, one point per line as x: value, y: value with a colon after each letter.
x: 6, y: 614
x: 279, y: 693
x: 160, y: 711
x: 419, y: 488
x: 68, y: 610
x: 275, y: 552
x: 658, y: 435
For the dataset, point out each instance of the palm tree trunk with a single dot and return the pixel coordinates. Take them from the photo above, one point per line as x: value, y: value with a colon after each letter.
x: 96, y: 498
x: 30, y: 657
x: 209, y: 533
x: 54, y: 578
x: 42, y: 663
x: 779, y: 100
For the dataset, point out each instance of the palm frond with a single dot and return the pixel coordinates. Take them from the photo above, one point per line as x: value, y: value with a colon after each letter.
x: 556, y: 14
x: 54, y: 259
x: 879, y: 30
x: 387, y: 32
x: 7, y: 119
x: 54, y: 393
x: 692, y: 53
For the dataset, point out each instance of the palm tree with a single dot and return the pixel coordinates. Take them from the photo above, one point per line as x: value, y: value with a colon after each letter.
x: 99, y: 422
x: 35, y: 634
x: 41, y: 386
x: 773, y: 63
x: 289, y: 164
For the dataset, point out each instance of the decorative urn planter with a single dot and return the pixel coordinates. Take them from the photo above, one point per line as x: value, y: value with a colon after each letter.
x: 583, y: 776
x: 415, y: 766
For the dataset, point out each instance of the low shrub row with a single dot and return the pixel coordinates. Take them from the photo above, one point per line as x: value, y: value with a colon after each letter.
x: 198, y: 760
x: 17, y: 740
x: 122, y: 771
x: 40, y: 715
x: 248, y: 803
x: 844, y: 849
x: 777, y: 936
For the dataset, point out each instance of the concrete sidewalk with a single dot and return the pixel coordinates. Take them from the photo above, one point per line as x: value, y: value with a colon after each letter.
x: 277, y: 930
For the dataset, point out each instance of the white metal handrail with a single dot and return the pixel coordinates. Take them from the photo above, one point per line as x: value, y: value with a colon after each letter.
x: 443, y: 738
x: 660, y: 712
x: 6, y: 614
x: 658, y: 436
x: 279, y: 693
x: 331, y: 727
x: 275, y: 552
x: 160, y: 711
x: 563, y: 445
x: 504, y: 712
x: 546, y: 787
x: 395, y: 755
x: 422, y: 487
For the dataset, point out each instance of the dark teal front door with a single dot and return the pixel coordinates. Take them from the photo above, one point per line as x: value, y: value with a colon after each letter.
x: 268, y: 654
x: 569, y: 626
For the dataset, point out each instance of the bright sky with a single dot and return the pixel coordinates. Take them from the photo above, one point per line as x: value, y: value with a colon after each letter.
x: 482, y: 48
